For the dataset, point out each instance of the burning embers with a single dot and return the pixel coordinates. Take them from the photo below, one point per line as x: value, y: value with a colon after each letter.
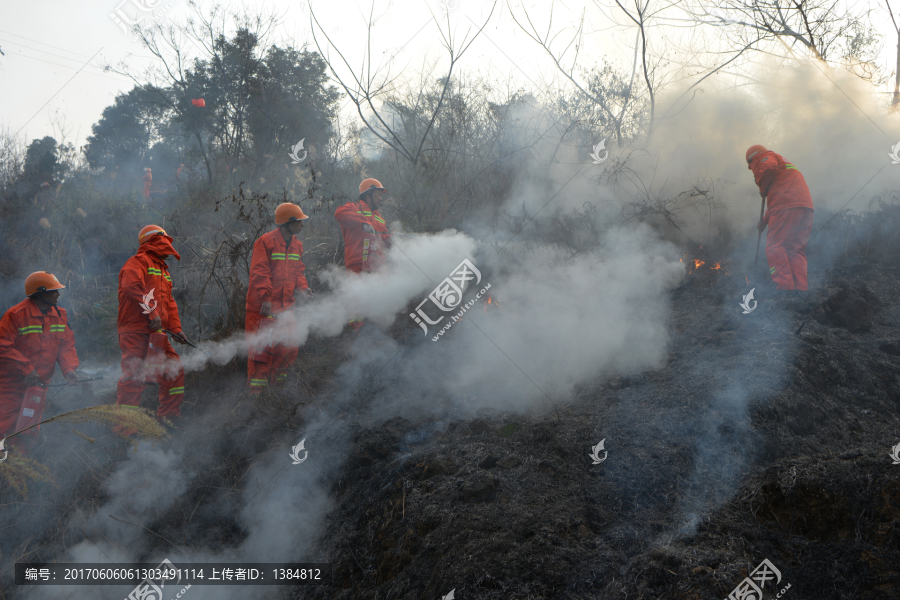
x: 492, y: 303
x: 695, y: 264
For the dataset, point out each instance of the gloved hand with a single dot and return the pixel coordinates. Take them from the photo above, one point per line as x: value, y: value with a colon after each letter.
x: 71, y: 378
x: 155, y: 323
x: 266, y: 309
x: 32, y: 379
x: 180, y: 337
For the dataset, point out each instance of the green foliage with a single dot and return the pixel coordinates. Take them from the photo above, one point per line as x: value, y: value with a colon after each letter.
x: 124, y: 132
x: 42, y: 161
x: 259, y: 102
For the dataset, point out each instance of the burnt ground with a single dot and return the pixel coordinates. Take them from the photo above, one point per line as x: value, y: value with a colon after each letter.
x: 751, y: 443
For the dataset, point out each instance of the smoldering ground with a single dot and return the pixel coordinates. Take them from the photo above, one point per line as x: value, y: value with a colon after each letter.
x: 562, y: 321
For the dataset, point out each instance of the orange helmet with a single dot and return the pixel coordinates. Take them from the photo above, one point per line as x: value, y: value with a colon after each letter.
x: 151, y: 230
x: 370, y: 184
x: 41, y: 281
x: 287, y: 212
x: 752, y: 151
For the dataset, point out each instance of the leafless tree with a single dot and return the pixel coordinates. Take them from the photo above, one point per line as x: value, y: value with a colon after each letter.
x: 12, y: 157
x: 895, y: 100
x: 620, y: 102
x: 368, y: 89
x: 827, y: 31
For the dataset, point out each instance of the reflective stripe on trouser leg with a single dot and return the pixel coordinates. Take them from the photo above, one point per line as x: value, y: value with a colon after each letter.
x: 257, y: 372
x: 258, y: 385
x: 131, y: 383
x: 258, y: 375
x: 171, y: 393
x: 251, y: 326
x: 801, y: 220
x: 789, y: 231
x: 284, y: 358
x: 776, y: 255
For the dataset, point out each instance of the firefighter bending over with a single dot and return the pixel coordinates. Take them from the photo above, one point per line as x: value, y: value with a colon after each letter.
x: 789, y: 216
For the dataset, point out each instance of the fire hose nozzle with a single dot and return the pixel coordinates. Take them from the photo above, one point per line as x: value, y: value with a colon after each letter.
x: 50, y: 385
x: 183, y: 340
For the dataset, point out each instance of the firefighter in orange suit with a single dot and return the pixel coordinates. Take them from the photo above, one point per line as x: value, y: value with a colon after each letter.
x: 148, y: 180
x: 146, y: 306
x: 789, y: 216
x: 276, y: 280
x: 365, y: 233
x: 34, y: 337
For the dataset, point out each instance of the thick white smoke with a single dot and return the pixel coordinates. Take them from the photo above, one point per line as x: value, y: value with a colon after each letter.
x: 562, y: 319
x: 826, y: 122
x: 415, y: 263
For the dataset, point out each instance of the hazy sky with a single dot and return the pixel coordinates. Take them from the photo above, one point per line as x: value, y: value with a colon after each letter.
x: 46, y: 43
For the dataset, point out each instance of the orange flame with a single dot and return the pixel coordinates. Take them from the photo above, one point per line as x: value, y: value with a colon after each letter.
x: 698, y: 263
x: 716, y: 267
x: 747, y: 280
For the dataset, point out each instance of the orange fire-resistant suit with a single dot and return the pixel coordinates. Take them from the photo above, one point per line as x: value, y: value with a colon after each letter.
x: 148, y: 179
x: 365, y: 239
x: 365, y: 236
x: 31, y: 340
x: 276, y: 272
x: 143, y: 273
x: 789, y: 216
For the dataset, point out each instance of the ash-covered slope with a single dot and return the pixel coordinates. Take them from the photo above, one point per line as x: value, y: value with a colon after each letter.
x: 752, y: 443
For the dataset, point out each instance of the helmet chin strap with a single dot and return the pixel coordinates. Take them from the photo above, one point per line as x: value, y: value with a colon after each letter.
x: 38, y: 297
